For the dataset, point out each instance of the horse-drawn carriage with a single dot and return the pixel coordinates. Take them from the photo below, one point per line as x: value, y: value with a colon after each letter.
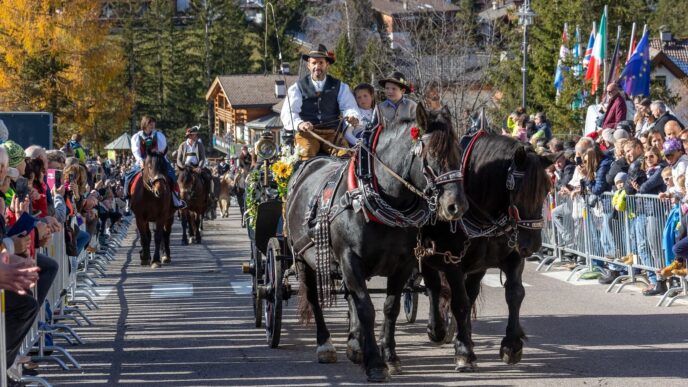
x: 270, y: 263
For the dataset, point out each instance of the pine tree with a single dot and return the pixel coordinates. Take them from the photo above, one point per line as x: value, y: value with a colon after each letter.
x: 544, y: 43
x: 344, y: 67
x: 671, y: 14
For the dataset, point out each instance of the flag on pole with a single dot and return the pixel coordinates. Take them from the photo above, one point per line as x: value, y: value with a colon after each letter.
x: 613, y: 73
x: 563, y: 52
x: 588, y: 51
x: 635, y: 78
x: 598, y: 55
x: 576, y: 52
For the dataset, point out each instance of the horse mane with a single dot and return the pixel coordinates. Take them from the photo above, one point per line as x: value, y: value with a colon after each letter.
x: 157, y: 161
x: 443, y: 144
x: 491, y: 157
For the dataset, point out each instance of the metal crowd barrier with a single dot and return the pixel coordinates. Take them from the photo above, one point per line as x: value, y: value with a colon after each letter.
x: 74, y: 285
x: 591, y: 230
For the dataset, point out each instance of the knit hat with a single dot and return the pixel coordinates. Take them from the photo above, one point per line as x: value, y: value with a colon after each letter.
x: 15, y: 153
x: 621, y: 176
x: 608, y: 135
x: 672, y: 145
x: 621, y: 133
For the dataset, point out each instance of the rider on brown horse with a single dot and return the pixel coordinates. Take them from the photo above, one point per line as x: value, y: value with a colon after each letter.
x: 192, y: 153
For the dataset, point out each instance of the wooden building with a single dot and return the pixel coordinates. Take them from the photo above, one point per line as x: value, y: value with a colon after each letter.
x: 241, y: 104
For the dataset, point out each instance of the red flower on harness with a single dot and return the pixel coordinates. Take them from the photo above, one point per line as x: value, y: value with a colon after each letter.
x: 415, y: 133
x: 411, y: 89
x: 331, y: 55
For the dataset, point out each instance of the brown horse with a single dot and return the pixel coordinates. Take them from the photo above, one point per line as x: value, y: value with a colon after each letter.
x: 194, y: 191
x: 226, y: 192
x: 151, y: 202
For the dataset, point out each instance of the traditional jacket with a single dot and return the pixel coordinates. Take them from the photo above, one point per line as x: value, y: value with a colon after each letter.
x: 193, y: 155
x: 404, y: 111
x: 320, y: 107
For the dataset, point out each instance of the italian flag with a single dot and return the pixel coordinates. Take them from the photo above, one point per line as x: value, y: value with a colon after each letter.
x: 598, y: 54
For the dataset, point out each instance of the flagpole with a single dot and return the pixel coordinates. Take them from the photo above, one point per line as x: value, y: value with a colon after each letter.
x: 606, y: 57
x: 594, y: 28
x: 630, y: 43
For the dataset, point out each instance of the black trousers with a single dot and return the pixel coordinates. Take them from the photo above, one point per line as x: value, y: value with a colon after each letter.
x: 22, y: 310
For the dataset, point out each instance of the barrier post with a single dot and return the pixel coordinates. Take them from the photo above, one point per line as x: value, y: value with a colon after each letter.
x: 3, y: 344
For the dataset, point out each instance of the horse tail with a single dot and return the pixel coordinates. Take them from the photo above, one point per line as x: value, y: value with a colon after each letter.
x: 304, y: 310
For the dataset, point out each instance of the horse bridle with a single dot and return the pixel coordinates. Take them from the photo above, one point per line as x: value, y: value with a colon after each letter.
x: 433, y: 181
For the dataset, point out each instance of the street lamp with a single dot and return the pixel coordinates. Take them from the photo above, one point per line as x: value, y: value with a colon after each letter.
x: 525, y: 18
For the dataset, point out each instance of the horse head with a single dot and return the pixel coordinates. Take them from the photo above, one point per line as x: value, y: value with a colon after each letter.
x: 188, y: 180
x: 155, y: 174
x: 441, y: 163
x: 528, y: 185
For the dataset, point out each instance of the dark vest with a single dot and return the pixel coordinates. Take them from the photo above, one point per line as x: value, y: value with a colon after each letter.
x: 664, y: 119
x: 320, y: 109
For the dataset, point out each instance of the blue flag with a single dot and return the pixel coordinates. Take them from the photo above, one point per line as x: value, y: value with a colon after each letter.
x: 635, y: 78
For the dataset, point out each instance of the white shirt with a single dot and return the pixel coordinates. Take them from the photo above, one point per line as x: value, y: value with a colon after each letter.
x: 291, y: 118
x: 136, y: 140
x: 191, y: 159
x: 680, y: 168
x: 352, y: 133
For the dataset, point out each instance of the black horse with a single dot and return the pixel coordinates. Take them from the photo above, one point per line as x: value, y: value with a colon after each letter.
x: 361, y: 248
x: 506, y: 185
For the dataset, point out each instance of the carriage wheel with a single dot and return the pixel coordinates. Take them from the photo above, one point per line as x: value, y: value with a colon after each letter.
x: 411, y: 297
x: 272, y: 304
x: 450, y: 323
x: 257, y: 280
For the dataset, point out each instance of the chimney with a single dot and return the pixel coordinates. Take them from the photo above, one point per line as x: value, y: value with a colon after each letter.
x: 285, y: 69
x: 280, y: 89
x: 666, y: 37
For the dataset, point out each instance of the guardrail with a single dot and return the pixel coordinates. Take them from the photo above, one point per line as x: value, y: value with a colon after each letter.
x: 627, y: 238
x: 74, y: 285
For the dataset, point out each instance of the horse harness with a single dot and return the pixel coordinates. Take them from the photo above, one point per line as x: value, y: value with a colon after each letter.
x: 363, y: 195
x: 488, y: 227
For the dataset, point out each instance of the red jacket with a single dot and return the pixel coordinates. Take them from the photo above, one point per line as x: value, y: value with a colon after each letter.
x: 616, y: 112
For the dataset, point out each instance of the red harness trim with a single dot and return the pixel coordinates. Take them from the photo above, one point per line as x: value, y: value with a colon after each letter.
x: 352, y: 181
x: 134, y: 181
x: 469, y: 149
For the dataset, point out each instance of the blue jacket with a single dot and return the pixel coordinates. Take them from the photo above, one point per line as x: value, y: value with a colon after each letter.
x: 669, y: 236
x: 654, y: 183
x: 600, y: 185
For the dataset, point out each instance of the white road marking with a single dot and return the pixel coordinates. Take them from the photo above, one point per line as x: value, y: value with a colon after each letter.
x: 493, y: 281
x: 562, y: 275
x: 241, y: 287
x: 172, y: 291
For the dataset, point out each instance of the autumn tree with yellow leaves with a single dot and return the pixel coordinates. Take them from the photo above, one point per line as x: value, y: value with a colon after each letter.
x: 57, y: 56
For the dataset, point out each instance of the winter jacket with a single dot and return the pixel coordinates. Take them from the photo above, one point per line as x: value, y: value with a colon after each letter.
x: 619, y: 200
x: 619, y: 165
x: 664, y: 119
x: 615, y: 113
x: 564, y: 176
x: 635, y: 173
x: 654, y: 183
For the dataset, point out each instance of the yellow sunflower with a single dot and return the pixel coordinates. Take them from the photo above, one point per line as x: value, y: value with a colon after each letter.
x: 282, y: 170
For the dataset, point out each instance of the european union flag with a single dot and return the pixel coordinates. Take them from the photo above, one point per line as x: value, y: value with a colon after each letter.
x: 635, y: 78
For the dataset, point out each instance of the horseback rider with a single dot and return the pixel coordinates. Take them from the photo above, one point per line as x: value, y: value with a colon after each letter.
x: 191, y: 153
x: 316, y: 105
x: 223, y: 166
x: 149, y: 140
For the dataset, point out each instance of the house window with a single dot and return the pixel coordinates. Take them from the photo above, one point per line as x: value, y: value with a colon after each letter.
x: 661, y: 79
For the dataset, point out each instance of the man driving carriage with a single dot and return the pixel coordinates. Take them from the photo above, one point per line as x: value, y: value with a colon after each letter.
x: 317, y: 102
x: 146, y: 141
x: 191, y: 153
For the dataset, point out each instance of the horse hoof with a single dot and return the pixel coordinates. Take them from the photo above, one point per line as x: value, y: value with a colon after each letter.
x: 508, y: 355
x: 326, y: 353
x: 437, y: 337
x: 377, y: 375
x: 156, y: 265
x: 145, y: 262
x: 185, y: 242
x: 464, y: 365
x: 353, y: 352
x: 165, y: 259
x: 198, y: 241
x: 394, y: 367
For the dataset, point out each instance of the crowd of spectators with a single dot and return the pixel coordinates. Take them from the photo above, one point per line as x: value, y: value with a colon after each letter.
x: 46, y: 192
x: 611, y: 171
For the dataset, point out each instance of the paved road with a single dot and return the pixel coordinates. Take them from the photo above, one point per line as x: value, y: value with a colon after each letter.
x: 190, y: 324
